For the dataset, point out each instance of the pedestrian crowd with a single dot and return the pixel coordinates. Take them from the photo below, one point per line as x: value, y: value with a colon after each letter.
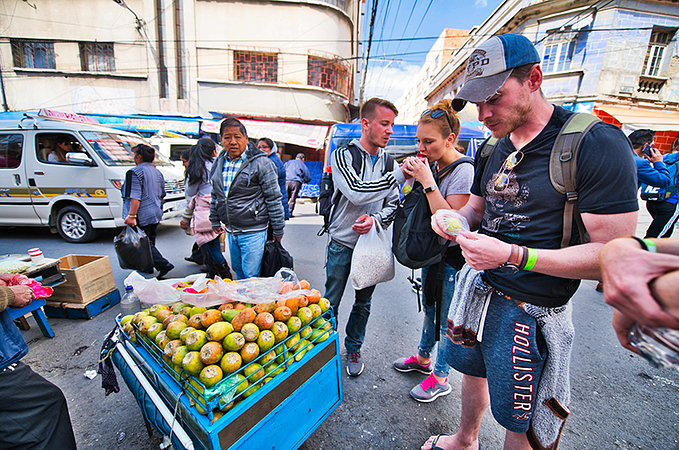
x: 520, y: 228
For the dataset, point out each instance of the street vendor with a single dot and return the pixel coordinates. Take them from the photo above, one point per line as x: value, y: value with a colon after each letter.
x: 246, y: 199
x: 34, y: 412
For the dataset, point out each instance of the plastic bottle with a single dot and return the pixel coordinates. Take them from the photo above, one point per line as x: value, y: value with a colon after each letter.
x: 130, y: 303
x: 659, y: 346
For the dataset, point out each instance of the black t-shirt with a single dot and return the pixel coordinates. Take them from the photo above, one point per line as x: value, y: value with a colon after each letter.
x: 530, y: 211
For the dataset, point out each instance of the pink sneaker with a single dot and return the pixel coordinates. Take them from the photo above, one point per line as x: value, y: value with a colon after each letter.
x: 430, y: 389
x: 410, y: 364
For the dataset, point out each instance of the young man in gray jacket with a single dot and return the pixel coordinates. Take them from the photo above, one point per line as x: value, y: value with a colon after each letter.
x: 361, y: 198
x: 245, y: 198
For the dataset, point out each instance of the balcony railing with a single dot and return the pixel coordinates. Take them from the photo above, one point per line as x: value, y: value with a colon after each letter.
x: 341, y: 4
x: 650, y: 85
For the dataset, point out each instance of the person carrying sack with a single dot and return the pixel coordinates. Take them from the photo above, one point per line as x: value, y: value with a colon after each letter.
x: 437, y: 132
x: 360, y: 198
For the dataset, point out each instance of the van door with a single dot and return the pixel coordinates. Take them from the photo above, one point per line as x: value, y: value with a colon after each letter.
x: 15, y: 196
x: 56, y: 177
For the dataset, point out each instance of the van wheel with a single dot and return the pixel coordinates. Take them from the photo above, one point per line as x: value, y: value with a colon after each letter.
x: 75, y: 225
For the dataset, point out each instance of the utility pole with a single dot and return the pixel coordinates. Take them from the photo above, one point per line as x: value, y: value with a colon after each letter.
x: 373, y: 14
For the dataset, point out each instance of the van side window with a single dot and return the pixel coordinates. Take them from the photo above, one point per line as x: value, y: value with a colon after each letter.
x: 11, y: 147
x: 53, y: 147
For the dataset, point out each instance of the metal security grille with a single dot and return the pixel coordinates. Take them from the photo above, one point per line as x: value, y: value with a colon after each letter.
x: 255, y: 66
x: 33, y: 54
x: 97, y: 57
x: 329, y: 74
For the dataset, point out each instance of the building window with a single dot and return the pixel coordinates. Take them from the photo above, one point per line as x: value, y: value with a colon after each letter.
x: 33, y: 54
x: 329, y: 74
x: 97, y: 57
x: 559, y: 50
x: 656, y: 52
x: 255, y: 66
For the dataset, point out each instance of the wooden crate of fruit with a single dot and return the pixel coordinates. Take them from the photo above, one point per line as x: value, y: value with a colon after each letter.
x: 225, y: 360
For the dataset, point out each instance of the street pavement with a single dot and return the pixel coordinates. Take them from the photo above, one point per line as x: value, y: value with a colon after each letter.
x: 618, y: 400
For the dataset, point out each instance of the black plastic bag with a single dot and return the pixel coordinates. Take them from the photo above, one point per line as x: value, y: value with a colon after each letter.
x: 133, y: 248
x: 275, y: 257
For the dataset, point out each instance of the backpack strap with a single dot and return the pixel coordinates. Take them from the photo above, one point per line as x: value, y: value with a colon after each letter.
x: 486, y: 150
x: 356, y: 158
x: 562, y: 171
x: 450, y: 167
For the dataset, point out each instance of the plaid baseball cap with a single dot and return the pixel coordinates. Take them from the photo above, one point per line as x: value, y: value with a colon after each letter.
x: 490, y: 65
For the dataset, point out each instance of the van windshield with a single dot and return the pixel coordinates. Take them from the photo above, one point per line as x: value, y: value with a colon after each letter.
x: 116, y: 149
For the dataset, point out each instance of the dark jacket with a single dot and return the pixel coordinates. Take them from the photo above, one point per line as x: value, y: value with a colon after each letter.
x: 12, y: 344
x: 281, y: 181
x: 254, y: 197
x: 296, y: 170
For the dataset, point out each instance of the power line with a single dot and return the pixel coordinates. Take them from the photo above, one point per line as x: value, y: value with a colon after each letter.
x: 367, y: 53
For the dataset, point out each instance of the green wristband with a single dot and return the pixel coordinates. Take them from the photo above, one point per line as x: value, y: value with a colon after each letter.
x: 532, y: 259
x: 651, y: 246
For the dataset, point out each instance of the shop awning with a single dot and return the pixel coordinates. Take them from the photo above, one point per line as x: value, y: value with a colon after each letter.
x: 292, y: 133
x: 636, y: 118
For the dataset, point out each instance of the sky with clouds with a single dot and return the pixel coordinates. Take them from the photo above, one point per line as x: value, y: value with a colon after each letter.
x: 395, y: 56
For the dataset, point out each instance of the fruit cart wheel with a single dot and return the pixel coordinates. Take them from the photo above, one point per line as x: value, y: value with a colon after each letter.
x: 75, y: 225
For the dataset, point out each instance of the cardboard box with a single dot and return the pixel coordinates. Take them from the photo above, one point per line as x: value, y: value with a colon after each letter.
x: 87, y: 278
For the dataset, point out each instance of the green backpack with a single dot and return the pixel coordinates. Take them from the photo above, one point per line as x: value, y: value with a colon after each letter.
x: 562, y: 168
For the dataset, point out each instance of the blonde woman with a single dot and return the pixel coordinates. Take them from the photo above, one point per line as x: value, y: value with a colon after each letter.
x: 437, y: 132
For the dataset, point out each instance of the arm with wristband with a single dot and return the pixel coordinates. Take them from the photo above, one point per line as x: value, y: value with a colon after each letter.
x: 483, y: 252
x: 641, y: 284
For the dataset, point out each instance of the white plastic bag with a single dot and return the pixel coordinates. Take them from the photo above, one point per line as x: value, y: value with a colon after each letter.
x: 152, y: 290
x: 372, y: 261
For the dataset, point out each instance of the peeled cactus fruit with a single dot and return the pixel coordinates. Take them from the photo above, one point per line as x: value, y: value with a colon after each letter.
x: 453, y: 225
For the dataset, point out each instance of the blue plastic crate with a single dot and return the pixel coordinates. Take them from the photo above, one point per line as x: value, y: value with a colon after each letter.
x: 280, y: 415
x: 65, y: 310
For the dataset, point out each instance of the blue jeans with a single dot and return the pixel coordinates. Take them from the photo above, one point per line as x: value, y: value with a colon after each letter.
x: 214, y: 248
x: 337, y: 267
x: 427, y: 341
x: 246, y: 252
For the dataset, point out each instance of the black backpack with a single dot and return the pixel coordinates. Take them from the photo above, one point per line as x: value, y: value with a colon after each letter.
x: 415, y: 244
x: 326, y: 203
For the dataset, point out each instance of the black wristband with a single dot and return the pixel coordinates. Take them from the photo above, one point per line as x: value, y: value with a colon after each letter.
x: 524, y: 257
x: 641, y: 242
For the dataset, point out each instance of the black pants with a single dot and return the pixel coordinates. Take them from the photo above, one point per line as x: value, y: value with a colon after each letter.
x: 159, y: 262
x: 197, y: 255
x: 293, y: 188
x: 33, y: 412
x: 665, y: 215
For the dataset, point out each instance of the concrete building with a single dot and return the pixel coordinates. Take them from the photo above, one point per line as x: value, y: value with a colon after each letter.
x: 413, y: 102
x: 290, y: 61
x: 617, y: 59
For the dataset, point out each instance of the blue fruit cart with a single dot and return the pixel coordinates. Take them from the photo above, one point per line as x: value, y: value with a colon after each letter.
x: 280, y: 415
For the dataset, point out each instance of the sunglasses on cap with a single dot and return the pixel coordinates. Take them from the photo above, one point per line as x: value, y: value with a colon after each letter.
x: 436, y: 113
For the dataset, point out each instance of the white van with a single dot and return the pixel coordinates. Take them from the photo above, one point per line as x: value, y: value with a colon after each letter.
x: 77, y: 191
x: 172, y: 147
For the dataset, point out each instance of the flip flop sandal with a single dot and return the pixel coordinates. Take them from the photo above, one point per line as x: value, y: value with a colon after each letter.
x: 436, y: 439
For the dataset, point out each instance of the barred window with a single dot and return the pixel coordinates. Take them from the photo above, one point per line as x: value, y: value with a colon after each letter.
x: 329, y: 74
x: 559, y: 50
x: 655, y: 52
x: 33, y: 54
x: 96, y: 57
x: 255, y: 66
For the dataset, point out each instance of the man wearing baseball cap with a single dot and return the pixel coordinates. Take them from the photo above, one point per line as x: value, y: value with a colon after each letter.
x: 510, y: 329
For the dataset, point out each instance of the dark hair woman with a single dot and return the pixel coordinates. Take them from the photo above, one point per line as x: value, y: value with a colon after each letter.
x: 269, y: 147
x: 143, y: 194
x: 197, y: 215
